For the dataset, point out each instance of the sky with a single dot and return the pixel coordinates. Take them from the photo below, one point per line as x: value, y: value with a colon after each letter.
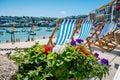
x: 49, y: 8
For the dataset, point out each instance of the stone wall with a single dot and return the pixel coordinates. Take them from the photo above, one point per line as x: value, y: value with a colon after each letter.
x: 7, y: 68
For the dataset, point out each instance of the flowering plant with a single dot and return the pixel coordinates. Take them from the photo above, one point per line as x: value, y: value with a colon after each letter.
x: 59, y: 62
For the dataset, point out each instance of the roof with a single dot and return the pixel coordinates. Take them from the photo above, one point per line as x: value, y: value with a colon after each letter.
x: 104, y: 6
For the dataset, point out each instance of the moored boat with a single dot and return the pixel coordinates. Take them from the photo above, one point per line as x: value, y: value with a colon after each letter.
x: 1, y: 32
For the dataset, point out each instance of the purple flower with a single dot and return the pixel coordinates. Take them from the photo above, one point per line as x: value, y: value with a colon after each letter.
x: 73, y: 43
x: 96, y: 54
x: 104, y: 61
x: 79, y: 40
x: 53, y: 47
x: 118, y: 25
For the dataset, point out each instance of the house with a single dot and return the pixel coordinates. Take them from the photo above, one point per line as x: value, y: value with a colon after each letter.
x: 108, y: 11
x: 105, y: 12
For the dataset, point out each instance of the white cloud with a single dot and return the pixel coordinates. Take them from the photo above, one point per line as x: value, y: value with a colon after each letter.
x: 62, y: 12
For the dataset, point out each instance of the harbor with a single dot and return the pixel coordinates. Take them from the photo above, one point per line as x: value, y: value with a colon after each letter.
x: 24, y: 34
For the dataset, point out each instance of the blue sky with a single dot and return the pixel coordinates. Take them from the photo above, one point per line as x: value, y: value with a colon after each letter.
x: 48, y: 8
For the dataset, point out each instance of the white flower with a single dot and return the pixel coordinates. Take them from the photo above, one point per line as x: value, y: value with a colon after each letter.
x: 68, y: 41
x: 59, y: 49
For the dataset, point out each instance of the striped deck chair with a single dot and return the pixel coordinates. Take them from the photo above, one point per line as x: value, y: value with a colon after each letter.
x: 84, y: 29
x: 99, y: 38
x: 110, y: 32
x: 66, y: 29
x: 112, y: 27
x: 107, y: 34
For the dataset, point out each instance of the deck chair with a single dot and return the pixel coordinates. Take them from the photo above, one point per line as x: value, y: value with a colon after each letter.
x: 108, y: 36
x: 110, y: 32
x: 84, y: 29
x: 66, y: 29
x: 101, y: 39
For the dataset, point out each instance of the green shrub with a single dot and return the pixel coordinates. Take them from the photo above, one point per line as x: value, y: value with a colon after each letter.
x: 60, y: 62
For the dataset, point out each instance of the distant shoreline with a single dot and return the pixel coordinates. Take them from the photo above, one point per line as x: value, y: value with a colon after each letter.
x: 23, y: 26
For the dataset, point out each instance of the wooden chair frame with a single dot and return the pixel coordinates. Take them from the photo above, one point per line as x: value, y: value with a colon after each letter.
x: 55, y: 29
x: 102, y: 43
x: 78, y: 26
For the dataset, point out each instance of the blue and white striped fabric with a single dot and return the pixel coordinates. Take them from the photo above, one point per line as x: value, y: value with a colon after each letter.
x: 107, y: 28
x: 66, y: 30
x: 112, y: 27
x: 104, y: 29
x: 85, y: 29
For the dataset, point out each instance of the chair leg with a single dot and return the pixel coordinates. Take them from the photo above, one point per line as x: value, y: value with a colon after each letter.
x: 89, y: 44
x: 107, y: 49
x: 53, y: 33
x: 107, y: 43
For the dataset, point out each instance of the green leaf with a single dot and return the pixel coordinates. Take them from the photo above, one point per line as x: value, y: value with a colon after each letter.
x: 50, y: 56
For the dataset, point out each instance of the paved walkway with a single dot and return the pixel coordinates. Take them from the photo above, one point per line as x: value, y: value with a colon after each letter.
x: 113, y: 57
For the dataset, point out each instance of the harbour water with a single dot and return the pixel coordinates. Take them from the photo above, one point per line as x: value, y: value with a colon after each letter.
x: 22, y: 34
